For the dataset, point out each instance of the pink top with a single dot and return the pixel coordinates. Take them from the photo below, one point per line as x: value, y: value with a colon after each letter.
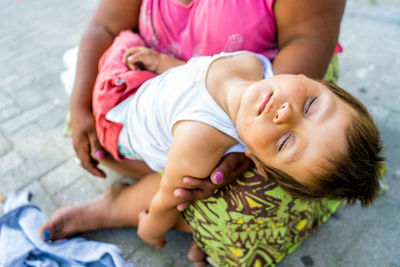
x: 208, y: 27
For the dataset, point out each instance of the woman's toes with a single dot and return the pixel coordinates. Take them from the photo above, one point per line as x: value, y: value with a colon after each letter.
x: 195, y: 254
x: 200, y: 264
x: 46, y: 234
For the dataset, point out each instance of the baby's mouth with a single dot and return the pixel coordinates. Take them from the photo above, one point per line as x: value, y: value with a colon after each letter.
x: 266, y: 104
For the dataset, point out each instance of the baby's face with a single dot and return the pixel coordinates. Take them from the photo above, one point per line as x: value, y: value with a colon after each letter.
x: 293, y: 123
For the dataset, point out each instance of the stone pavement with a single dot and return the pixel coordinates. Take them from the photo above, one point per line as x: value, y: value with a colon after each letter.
x: 34, y: 155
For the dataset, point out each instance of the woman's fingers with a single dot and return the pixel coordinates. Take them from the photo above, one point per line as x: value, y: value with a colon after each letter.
x: 83, y: 151
x: 87, y: 146
x: 231, y: 167
x: 189, y: 195
x: 129, y: 52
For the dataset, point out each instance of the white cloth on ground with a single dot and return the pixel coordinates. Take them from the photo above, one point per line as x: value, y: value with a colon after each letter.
x: 21, y: 245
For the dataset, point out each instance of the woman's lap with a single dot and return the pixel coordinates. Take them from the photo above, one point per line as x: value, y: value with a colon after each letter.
x: 253, y: 221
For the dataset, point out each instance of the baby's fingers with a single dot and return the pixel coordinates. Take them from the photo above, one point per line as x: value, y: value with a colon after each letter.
x: 129, y: 52
x: 136, y: 61
x: 133, y: 65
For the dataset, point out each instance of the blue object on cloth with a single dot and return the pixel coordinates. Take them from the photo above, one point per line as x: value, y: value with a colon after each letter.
x: 21, y: 245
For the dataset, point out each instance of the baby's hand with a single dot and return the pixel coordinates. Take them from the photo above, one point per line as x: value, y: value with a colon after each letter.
x: 141, y: 57
x: 145, y: 232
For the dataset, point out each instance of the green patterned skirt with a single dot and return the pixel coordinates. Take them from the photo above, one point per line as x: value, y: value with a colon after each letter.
x: 254, y: 222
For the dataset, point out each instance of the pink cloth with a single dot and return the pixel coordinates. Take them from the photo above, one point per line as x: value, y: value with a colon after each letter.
x: 208, y: 27
x: 114, y: 83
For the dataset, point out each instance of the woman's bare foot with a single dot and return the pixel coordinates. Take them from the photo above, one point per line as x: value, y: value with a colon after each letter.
x: 197, y: 256
x: 70, y: 220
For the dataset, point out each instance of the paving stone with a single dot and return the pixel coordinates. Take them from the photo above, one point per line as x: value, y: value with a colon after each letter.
x: 41, y: 198
x: 77, y: 193
x: 28, y: 98
x: 112, y: 178
x: 379, y: 113
x: 10, y: 183
x: 126, y: 239
x: 38, y: 144
x: 8, y: 112
x: 390, y: 135
x: 56, y: 94
x: 64, y: 143
x: 170, y: 255
x: 382, y: 233
x: 5, y: 101
x: 390, y: 132
x: 54, y: 118
x: 5, y: 145
x: 8, y: 79
x: 27, y: 117
x: 392, y: 181
x: 335, y: 237
x: 30, y: 170
x: 10, y: 161
x: 62, y: 176
x: 390, y: 98
x: 23, y: 82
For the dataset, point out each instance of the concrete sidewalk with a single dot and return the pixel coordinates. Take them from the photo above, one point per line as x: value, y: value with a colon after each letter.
x: 34, y: 155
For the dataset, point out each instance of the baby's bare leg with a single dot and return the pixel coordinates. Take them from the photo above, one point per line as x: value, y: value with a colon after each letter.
x: 118, y: 207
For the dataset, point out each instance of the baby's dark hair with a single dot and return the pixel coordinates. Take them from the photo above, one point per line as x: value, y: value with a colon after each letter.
x: 353, y: 175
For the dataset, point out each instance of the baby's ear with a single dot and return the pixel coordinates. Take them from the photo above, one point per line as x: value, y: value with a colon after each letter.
x: 259, y: 167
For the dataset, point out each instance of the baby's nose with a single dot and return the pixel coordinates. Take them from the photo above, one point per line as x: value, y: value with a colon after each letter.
x: 283, y: 113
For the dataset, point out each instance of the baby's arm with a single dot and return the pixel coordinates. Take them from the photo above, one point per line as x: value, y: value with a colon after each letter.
x: 141, y: 57
x: 195, y: 151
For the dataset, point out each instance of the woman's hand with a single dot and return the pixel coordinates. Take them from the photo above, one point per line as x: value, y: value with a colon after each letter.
x: 230, y: 168
x: 109, y: 19
x: 140, y: 57
x: 144, y: 231
x: 86, y: 144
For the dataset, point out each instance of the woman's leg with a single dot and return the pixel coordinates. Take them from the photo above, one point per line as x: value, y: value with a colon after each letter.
x: 118, y: 207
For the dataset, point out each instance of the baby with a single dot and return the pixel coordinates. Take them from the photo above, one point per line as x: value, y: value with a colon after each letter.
x: 313, y: 138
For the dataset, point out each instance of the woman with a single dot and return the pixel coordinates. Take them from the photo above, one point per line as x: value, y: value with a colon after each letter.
x: 299, y: 36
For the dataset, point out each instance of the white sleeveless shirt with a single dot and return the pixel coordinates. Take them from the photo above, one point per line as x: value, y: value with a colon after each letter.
x: 177, y: 94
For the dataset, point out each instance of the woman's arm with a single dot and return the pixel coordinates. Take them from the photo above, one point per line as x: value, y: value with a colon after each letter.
x: 307, y: 34
x: 195, y: 151
x: 110, y: 17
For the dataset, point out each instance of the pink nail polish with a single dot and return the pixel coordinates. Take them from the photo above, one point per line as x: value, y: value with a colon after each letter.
x: 100, y: 154
x: 219, y: 176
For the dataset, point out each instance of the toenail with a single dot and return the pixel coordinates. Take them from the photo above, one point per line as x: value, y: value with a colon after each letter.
x: 46, y: 234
